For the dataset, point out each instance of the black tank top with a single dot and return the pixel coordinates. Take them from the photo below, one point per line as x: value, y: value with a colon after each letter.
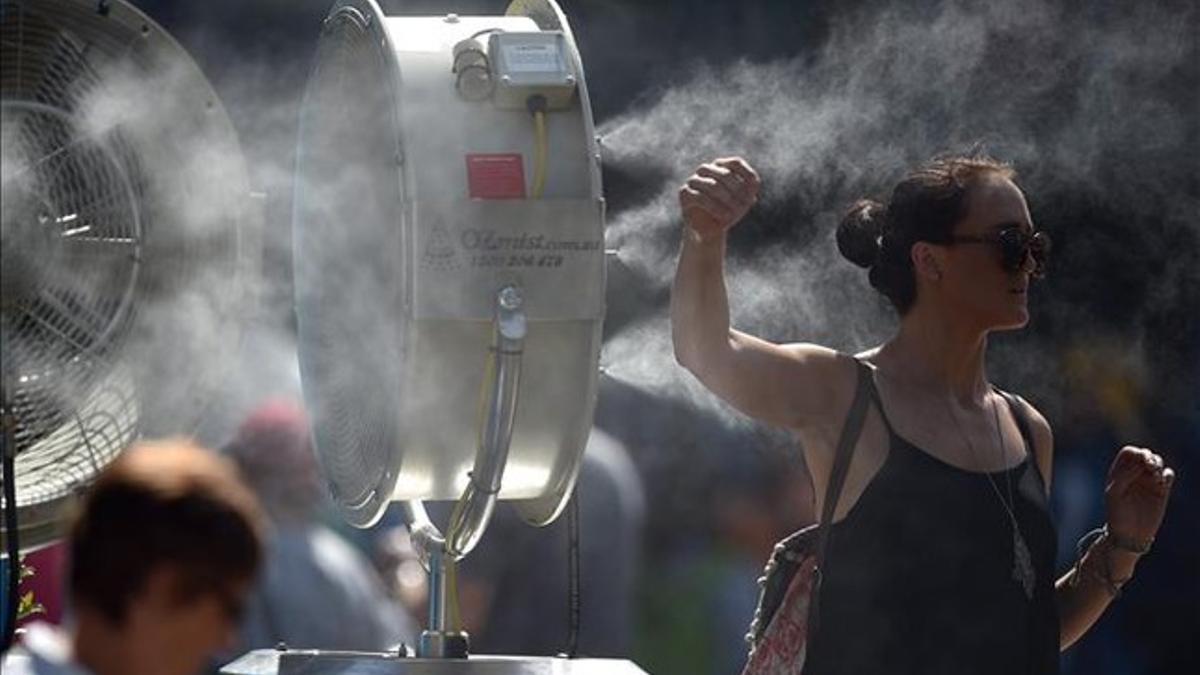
x: 918, y: 576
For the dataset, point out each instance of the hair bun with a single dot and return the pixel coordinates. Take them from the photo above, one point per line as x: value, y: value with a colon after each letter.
x: 858, y: 235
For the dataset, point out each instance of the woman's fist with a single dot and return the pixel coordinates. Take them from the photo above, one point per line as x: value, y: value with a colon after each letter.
x: 718, y: 195
x: 1139, y: 484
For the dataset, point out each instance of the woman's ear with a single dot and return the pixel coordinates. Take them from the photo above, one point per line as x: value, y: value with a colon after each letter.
x: 927, y: 261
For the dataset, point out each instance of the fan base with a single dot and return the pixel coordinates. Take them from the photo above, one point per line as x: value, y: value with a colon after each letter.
x: 320, y: 662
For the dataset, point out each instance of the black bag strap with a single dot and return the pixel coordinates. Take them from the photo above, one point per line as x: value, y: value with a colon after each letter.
x: 1017, y: 405
x: 1018, y: 412
x: 851, y: 430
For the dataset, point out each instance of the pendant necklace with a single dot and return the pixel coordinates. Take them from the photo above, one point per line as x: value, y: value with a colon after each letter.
x: 1022, y: 571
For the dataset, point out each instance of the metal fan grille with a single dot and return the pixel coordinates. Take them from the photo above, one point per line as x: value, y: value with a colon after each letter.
x: 72, y: 233
x: 347, y: 243
x: 127, y: 241
x: 102, y: 427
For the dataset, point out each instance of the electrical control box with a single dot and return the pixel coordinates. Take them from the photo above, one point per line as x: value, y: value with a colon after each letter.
x: 529, y: 64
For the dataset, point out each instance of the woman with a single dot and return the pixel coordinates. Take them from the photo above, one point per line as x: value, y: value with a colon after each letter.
x: 942, y: 551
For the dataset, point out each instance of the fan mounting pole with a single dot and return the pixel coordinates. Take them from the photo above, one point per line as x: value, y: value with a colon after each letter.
x: 8, y: 454
x: 444, y: 638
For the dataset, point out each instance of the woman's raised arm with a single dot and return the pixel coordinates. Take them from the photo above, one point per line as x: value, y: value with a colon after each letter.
x: 785, y: 385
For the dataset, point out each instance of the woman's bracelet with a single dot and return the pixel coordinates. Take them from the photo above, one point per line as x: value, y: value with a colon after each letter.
x: 1128, y: 545
x: 1104, y: 541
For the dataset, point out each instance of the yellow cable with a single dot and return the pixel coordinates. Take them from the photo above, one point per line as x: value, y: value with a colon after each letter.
x: 539, y: 153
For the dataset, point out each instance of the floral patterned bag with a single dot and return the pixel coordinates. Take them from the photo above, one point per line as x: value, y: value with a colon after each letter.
x: 786, y: 617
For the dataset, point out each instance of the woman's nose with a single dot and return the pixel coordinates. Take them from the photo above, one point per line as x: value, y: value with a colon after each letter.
x: 1029, y: 263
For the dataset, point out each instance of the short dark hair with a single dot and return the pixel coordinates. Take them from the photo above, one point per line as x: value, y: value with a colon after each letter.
x: 167, y: 503
x: 924, y: 206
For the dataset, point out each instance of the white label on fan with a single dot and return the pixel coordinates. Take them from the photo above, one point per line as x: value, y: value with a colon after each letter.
x: 532, y: 58
x: 553, y: 248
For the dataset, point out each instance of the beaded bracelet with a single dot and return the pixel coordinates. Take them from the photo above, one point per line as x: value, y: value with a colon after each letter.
x: 1101, y: 538
x: 1132, y: 546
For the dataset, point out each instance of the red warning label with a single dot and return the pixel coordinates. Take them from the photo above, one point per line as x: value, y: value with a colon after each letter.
x: 496, y: 176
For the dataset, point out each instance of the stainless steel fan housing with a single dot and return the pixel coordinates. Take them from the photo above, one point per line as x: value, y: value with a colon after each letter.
x: 415, y: 206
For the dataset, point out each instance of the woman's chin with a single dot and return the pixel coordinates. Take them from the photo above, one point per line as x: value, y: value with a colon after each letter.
x: 1015, y: 320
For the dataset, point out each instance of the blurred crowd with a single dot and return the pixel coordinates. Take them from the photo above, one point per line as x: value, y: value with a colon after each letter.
x: 671, y: 589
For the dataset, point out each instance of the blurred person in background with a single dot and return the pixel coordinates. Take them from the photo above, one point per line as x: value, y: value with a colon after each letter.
x: 316, y: 591
x: 704, y: 597
x: 942, y: 553
x: 161, y: 555
x: 753, y: 509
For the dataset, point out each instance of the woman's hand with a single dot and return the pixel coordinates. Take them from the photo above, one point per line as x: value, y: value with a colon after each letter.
x: 1136, y: 497
x: 1139, y: 484
x: 718, y: 195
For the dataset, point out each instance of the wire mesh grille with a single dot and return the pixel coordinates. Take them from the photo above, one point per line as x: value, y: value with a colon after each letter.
x: 349, y: 266
x: 72, y: 236
x: 70, y: 262
x: 126, y: 239
x: 90, y: 437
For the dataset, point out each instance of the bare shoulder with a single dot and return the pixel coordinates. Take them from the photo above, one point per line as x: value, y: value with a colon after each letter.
x: 829, y: 380
x: 792, y: 386
x: 822, y: 360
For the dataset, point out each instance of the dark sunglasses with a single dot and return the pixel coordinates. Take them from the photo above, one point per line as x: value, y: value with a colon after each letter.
x: 1015, y: 244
